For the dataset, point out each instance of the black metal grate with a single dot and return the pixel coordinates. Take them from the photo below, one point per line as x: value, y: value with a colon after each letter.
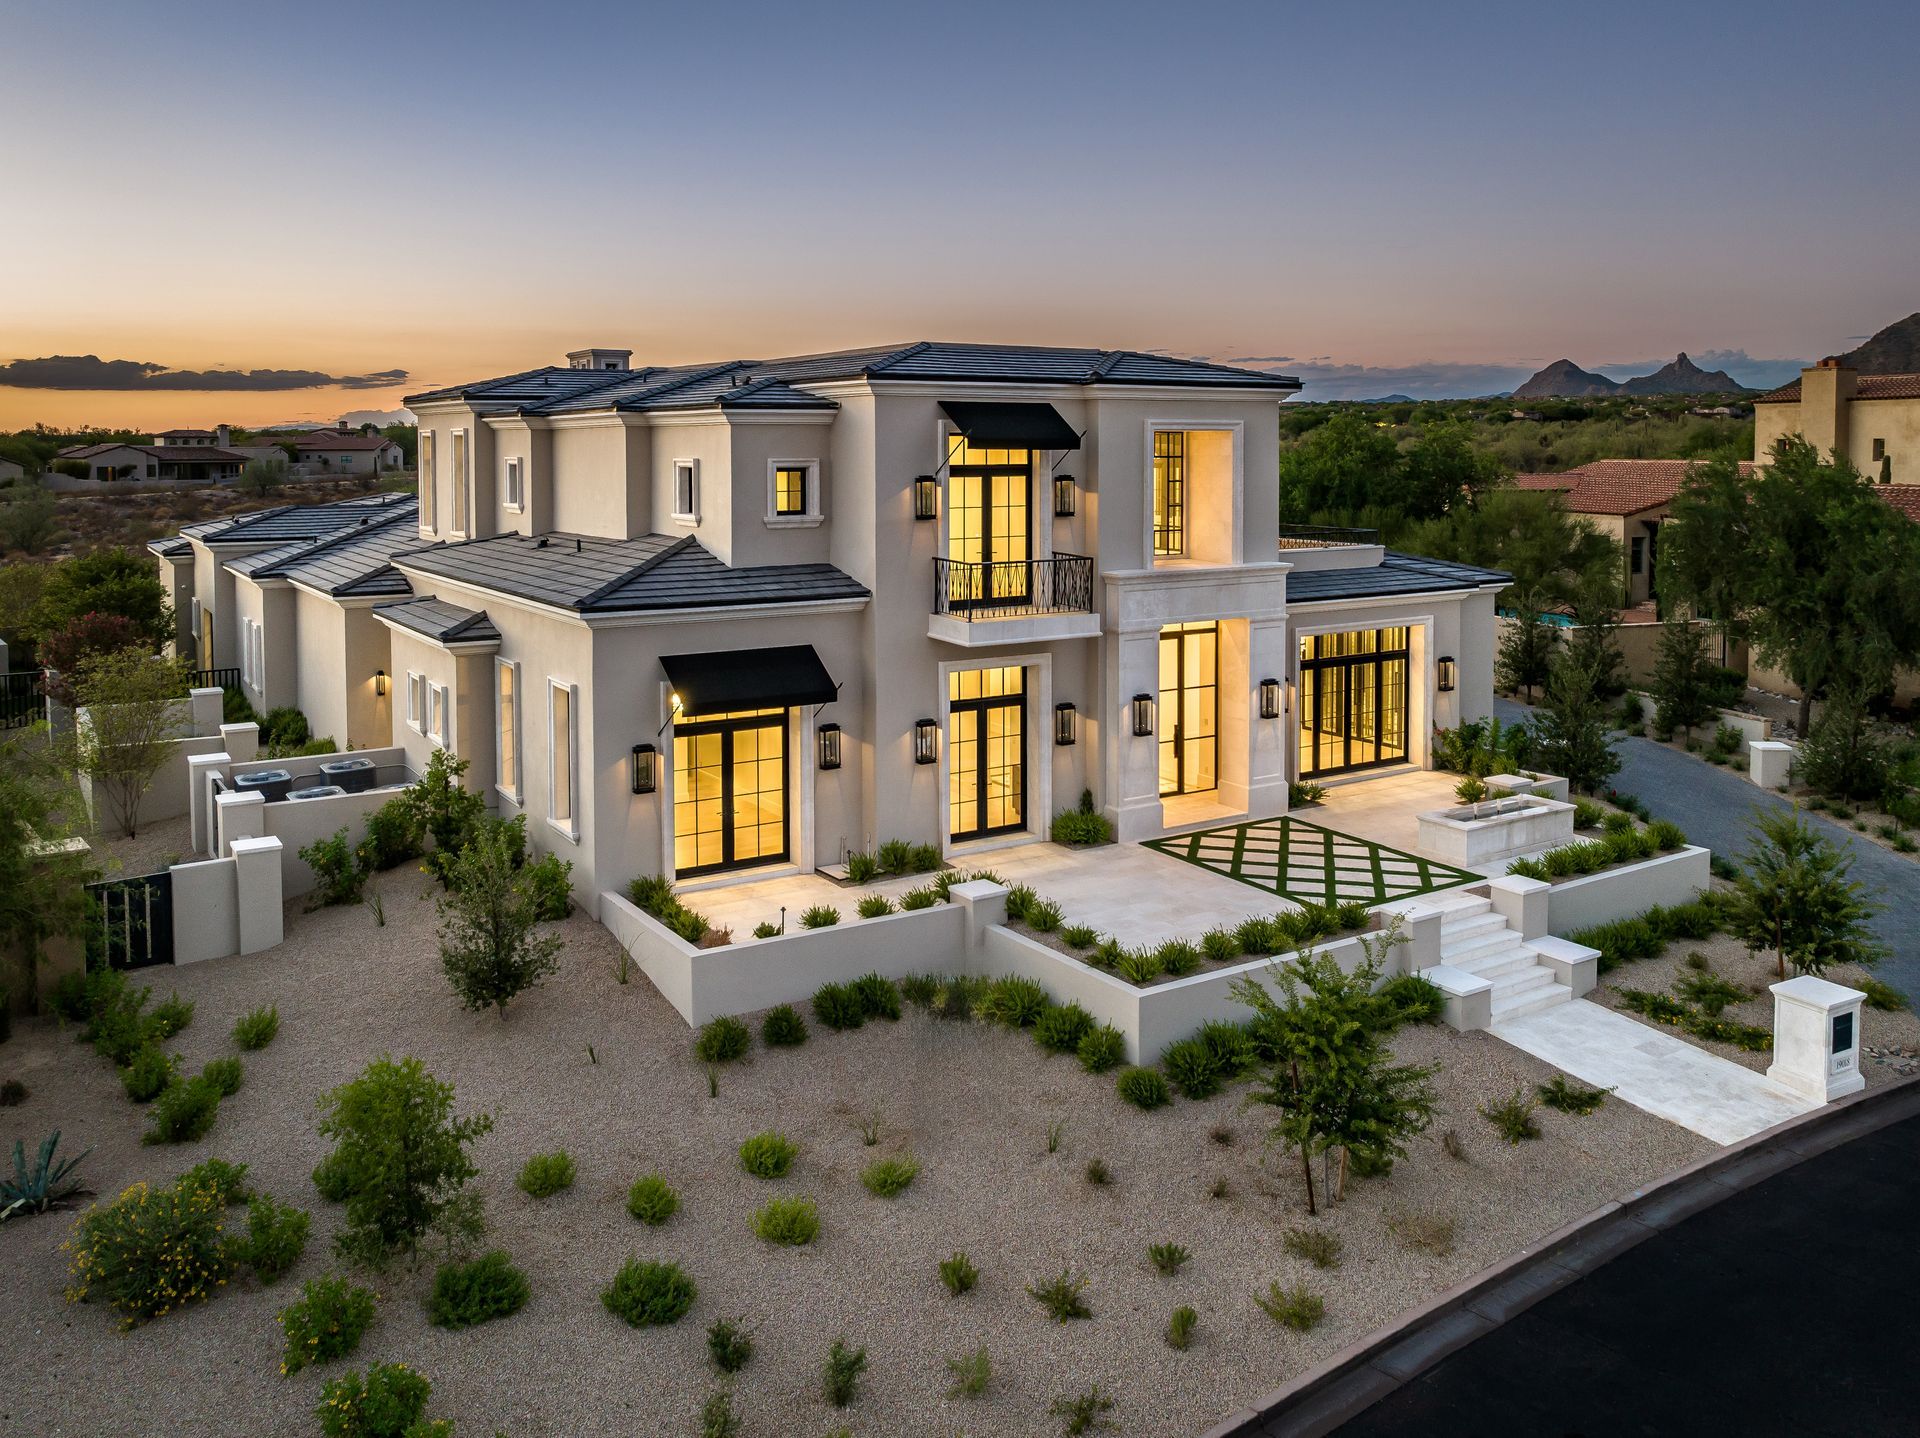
x: 1324, y: 536
x: 134, y: 926
x: 21, y: 702
x: 1014, y: 587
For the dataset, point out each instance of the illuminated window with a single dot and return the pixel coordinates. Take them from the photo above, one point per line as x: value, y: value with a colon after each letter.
x: 790, y: 489
x: 562, y: 743
x: 986, y: 752
x: 426, y: 479
x: 458, y: 479
x: 1169, y: 492
x: 1353, y: 700
x: 989, y: 540
x: 507, y: 716
x: 730, y: 791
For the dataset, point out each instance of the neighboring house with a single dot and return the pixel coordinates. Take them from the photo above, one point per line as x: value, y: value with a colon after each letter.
x: 195, y: 462
x: 1871, y: 419
x: 11, y: 470
x: 333, y: 451
x: 189, y: 438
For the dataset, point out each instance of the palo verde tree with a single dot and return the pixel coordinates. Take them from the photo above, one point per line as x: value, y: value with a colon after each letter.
x: 490, y: 944
x: 126, y: 734
x: 1795, y: 895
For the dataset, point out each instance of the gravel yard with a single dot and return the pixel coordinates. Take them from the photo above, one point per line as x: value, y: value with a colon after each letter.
x: 606, y: 1071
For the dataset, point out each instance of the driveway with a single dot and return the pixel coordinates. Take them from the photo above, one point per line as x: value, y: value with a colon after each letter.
x: 1716, y: 807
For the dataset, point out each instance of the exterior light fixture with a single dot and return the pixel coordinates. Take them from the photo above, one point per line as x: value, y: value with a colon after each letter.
x: 1446, y: 673
x: 1066, y: 722
x: 646, y: 768
x: 926, y: 497
x: 1269, y: 698
x: 1065, y: 496
x: 926, y: 741
x: 829, y: 746
x: 380, y: 683
x: 1142, y: 715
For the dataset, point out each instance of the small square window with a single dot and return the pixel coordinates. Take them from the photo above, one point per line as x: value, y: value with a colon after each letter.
x: 790, y: 489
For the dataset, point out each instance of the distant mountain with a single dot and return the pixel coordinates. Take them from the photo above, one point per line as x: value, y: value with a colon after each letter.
x: 1683, y: 376
x: 1391, y: 399
x: 1895, y: 350
x: 1563, y: 379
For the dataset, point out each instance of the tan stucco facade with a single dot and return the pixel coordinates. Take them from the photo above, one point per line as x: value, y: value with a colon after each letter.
x: 1880, y: 436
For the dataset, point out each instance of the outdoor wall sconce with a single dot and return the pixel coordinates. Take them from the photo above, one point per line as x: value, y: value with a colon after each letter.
x: 1064, y: 496
x: 380, y: 683
x: 829, y: 746
x: 1142, y: 715
x: 1065, y: 722
x: 1446, y: 673
x: 1269, y: 698
x: 646, y: 768
x: 926, y: 497
x: 926, y: 741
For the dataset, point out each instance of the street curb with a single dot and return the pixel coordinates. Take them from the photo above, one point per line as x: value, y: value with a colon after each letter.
x: 1375, y: 1366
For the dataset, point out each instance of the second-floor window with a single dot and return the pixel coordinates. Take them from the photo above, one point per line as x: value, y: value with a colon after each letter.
x: 516, y: 492
x: 1169, y: 492
x: 507, y: 750
x: 686, y: 489
x: 790, y: 489
x: 426, y: 479
x: 459, y: 481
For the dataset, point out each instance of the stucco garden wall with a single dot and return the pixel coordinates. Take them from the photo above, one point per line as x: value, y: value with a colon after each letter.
x: 1628, y: 891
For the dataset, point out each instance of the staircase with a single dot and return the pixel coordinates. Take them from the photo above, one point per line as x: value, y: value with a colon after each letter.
x: 1475, y: 939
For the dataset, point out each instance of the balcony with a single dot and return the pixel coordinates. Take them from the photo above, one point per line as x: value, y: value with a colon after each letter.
x: 1325, y: 536
x: 1013, y: 601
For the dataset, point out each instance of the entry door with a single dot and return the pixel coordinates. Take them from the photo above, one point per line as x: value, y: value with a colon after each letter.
x: 1189, y: 708
x: 730, y: 791
x: 989, y: 533
x: 1353, y: 700
x: 986, y: 752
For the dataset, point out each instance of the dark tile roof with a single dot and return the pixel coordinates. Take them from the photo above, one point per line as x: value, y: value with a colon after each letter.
x: 1395, y: 574
x: 294, y: 521
x: 193, y: 454
x: 1866, y: 386
x: 438, y: 620
x: 173, y: 544
x: 357, y: 561
x: 592, y: 575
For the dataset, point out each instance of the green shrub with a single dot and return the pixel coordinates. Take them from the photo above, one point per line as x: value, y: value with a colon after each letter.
x: 466, y: 1294
x: 652, y: 1200
x: 1220, y: 945
x: 1060, y: 1028
x: 1512, y: 1117
x: 1082, y: 1412
x: 1529, y: 869
x: 1180, y: 1327
x: 169, y: 1016
x: 647, y: 1295
x: 1231, y: 1046
x: 1102, y: 1049
x: 1620, y: 942
x: 1294, y: 1308
x: 1315, y: 1245
x: 149, y: 1073
x: 924, y: 898
x: 1138, y: 966
x: 151, y: 1250
x: 325, y: 1323
x: 1191, y: 1065
x: 1711, y: 992
x: 895, y: 856
x: 838, y: 1007
x: 1884, y: 997
x: 1079, y: 936
x: 256, y: 1029
x: 890, y: 1177
x: 819, y: 916
x: 1097, y: 1172
x: 874, y: 906
x: 391, y: 838
x: 717, y: 1418
x: 971, y: 1374
x: 1142, y: 1087
x: 12, y: 1093
x: 549, y: 882
x: 862, y: 868
x: 1256, y: 935
x: 878, y: 996
x: 729, y: 1345
x: 958, y: 1274
x: 653, y: 894
x: 1079, y: 829
x: 276, y: 1237
x: 389, y: 1403
x: 1177, y: 957
x: 1564, y: 1094
x: 226, y: 1075
x: 1043, y: 916
x: 1666, y: 835
x: 1167, y: 1258
x: 228, y: 1180
x: 545, y: 1174
x: 1299, y: 794
x: 722, y: 1040
x: 1062, y: 1296
x: 1409, y: 998
x: 783, y: 1027
x: 183, y: 1112
x: 842, y: 1375
x: 768, y: 1155
x: 1587, y: 814
x: 766, y: 930
x: 338, y: 875
x: 789, y: 1221
x: 1014, y: 1001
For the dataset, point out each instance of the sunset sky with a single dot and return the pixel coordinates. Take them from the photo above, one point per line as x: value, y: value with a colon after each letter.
x: 1436, y: 194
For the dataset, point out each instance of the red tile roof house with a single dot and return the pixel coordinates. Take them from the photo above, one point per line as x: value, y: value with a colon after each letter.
x: 192, y: 463
x: 333, y: 451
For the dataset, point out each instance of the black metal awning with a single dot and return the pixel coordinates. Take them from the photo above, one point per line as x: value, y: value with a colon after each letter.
x: 748, y: 679
x: 989, y: 425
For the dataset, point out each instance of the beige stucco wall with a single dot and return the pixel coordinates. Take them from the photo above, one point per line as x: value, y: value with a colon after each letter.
x: 269, y: 605
x: 1894, y: 422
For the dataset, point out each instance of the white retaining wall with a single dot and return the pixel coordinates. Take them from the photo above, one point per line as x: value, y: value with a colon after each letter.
x: 228, y: 906
x: 296, y: 823
x: 1628, y: 891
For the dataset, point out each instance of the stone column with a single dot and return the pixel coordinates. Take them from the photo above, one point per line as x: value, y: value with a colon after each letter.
x: 258, y: 884
x: 1768, y: 761
x: 201, y: 771
x: 983, y: 903
x: 1816, y: 1038
x: 1522, y: 902
x: 237, y: 816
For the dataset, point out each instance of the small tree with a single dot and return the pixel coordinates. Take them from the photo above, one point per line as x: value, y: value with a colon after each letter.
x: 489, y: 944
x: 1843, y: 755
x: 1572, y: 730
x: 108, y: 581
x: 1682, y: 677
x: 131, y: 722
x: 399, y: 1161
x: 1526, y: 648
x: 261, y: 476
x: 42, y: 896
x: 1794, y: 896
x: 441, y: 807
x: 1594, y: 644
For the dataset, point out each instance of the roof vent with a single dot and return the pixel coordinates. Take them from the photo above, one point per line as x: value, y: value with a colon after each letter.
x: 598, y: 359
x: 541, y: 542
x: 578, y: 547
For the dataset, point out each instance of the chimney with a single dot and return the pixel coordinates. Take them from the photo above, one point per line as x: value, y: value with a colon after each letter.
x: 598, y: 359
x: 222, y: 436
x: 1826, y: 403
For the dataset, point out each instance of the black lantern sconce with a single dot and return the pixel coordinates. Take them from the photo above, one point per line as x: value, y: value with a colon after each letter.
x: 1446, y: 673
x: 380, y: 683
x: 1142, y: 715
x: 829, y: 746
x: 1066, y: 723
x: 926, y: 497
x: 1065, y: 496
x: 926, y: 741
x: 646, y: 768
x: 1269, y: 698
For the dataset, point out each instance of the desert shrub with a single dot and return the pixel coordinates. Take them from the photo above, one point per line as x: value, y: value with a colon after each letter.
x: 838, y: 1007
x: 1106, y: 955
x: 391, y: 838
x: 1587, y: 814
x: 1220, y: 945
x: 1180, y: 1327
x: 729, y: 1345
x: 1409, y: 998
x: 1666, y: 835
x: 895, y: 856
x: 1142, y: 1087
x: 1138, y: 966
x: 1432, y: 1232
x: 1082, y: 1412
x: 1512, y: 1117
x: 1079, y: 936
x: 1562, y: 1093
x: 819, y: 916
x: 227, y: 1180
x: 788, y: 1221
x: 466, y: 1294
x: 1178, y: 957
x: 862, y: 868
x: 183, y: 1112
x: 653, y: 894
x: 339, y: 877
x: 652, y: 1200
x: 276, y: 1237
x: 545, y: 1174
x: 256, y: 1029
x: 890, y: 1177
x: 1060, y: 1028
x: 1315, y: 1245
x: 1081, y: 825
x: 1299, y: 794
x: 1097, y: 1172
x: 1296, y: 1307
x: 169, y: 1016
x: 923, y: 898
x: 1167, y: 1258
x: 1013, y: 1001
x: 841, y: 1378
x: 1882, y: 996
x: 1619, y: 942
x: 12, y: 1093
x: 766, y: 930
x: 148, y: 1074
x: 548, y: 881
x: 1470, y: 790
x: 768, y: 1155
x: 1231, y: 1046
x: 1102, y: 1049
x: 1019, y: 898
x: 1529, y: 869
x: 491, y: 948
x: 324, y: 1323
x: 1043, y: 916
x: 1193, y: 1068
x: 783, y: 1027
x: 874, y: 906
x: 971, y: 1374
x: 151, y: 1250
x: 648, y: 1295
x: 390, y: 1402
x: 1711, y: 992
x: 958, y: 1274
x: 722, y: 1040
x: 226, y: 1075
x: 1255, y: 935
x: 717, y: 1418
x: 1062, y: 1296
x: 878, y: 996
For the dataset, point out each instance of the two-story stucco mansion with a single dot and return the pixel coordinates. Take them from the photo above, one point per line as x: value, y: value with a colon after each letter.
x: 722, y: 619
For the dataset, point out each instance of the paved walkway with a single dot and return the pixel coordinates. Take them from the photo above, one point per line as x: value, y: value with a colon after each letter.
x: 1655, y: 1071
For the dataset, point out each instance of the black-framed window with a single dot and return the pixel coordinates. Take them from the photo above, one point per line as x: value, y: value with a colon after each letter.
x: 986, y: 752
x: 731, y: 791
x: 989, y: 526
x: 1169, y: 492
x: 1353, y: 700
x: 1638, y: 552
x: 790, y: 489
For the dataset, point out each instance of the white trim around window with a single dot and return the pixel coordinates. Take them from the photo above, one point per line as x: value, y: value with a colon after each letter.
x: 513, y: 485
x: 416, y: 701
x: 686, y: 491
x: 457, y: 476
x: 563, y: 757
x: 442, y: 731
x: 809, y: 513
x: 425, y: 462
x: 506, y: 721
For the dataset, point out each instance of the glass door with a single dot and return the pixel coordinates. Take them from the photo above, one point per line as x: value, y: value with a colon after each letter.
x: 1189, y: 708
x: 1353, y: 700
x: 730, y: 791
x: 989, y: 532
x: 986, y: 752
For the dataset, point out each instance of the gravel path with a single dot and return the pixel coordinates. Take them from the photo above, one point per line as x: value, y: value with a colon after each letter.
x: 972, y: 1103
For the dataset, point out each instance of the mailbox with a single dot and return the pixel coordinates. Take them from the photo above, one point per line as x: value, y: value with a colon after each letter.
x: 1816, y: 1038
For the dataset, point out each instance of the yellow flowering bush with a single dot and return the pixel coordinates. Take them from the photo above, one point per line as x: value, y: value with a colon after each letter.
x: 325, y: 1323
x: 151, y: 1250
x: 387, y: 1403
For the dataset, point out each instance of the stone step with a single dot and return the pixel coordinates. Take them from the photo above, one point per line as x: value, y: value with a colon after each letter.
x: 1493, y: 966
x: 1510, y: 986
x: 1476, y: 945
x: 1531, y: 1003
x: 1456, y: 929
x: 1457, y: 906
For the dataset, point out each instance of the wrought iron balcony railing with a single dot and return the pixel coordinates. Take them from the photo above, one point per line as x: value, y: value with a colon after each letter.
x: 1324, y: 536
x: 1007, y: 589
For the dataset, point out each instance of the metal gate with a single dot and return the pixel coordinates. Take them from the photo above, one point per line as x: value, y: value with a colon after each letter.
x: 134, y: 928
x: 20, y: 700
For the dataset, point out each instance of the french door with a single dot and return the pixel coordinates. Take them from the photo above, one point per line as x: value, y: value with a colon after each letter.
x: 730, y: 791
x: 989, y: 528
x: 986, y: 752
x: 1189, y: 708
x: 1353, y: 700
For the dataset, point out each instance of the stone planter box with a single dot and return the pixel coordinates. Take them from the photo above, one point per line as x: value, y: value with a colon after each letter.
x: 1473, y: 836
x: 1628, y: 891
x: 1545, y: 786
